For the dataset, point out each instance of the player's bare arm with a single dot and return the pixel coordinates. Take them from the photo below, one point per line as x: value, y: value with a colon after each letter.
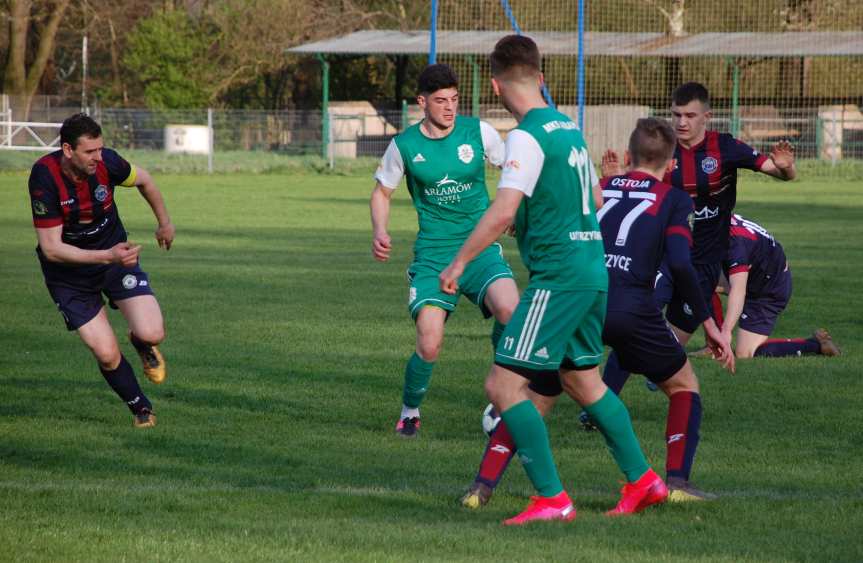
x: 379, y: 205
x: 147, y: 187
x: 736, y: 298
x: 598, y: 200
x: 493, y: 223
x: 55, y: 250
x: 719, y: 344
x: 780, y: 163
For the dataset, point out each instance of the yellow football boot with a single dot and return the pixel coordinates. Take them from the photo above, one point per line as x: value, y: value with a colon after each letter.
x: 144, y: 419
x: 154, y: 363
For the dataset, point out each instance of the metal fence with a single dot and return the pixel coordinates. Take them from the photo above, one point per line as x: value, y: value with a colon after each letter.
x: 831, y: 134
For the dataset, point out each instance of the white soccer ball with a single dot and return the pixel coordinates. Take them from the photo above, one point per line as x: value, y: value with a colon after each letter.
x: 490, y: 419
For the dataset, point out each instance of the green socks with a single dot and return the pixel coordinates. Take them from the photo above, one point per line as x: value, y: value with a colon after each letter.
x: 418, y: 373
x: 529, y: 433
x: 613, y: 421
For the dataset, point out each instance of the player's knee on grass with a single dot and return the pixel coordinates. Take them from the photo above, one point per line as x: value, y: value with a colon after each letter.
x: 748, y: 343
x: 744, y: 353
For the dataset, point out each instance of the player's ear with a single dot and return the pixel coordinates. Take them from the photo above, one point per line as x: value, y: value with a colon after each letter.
x: 627, y: 159
x: 671, y: 165
x: 495, y: 85
x: 67, y: 150
x: 421, y: 101
x: 541, y: 80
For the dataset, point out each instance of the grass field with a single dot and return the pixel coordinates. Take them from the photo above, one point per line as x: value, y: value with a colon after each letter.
x: 286, y: 345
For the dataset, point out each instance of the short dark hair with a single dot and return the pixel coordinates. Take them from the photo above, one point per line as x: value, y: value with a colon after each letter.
x: 690, y: 91
x: 436, y: 77
x: 517, y: 53
x: 652, y: 142
x: 77, y: 126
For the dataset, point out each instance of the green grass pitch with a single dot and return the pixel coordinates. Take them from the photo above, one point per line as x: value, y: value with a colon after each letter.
x: 286, y: 345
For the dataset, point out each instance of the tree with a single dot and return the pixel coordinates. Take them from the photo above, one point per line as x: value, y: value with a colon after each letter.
x: 170, y: 56
x: 675, y: 30
x: 24, y: 68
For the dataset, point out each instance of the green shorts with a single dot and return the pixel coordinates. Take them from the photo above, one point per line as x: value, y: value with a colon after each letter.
x: 550, y: 326
x: 423, y: 274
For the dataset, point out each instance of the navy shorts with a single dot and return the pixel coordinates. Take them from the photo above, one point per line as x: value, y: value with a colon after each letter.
x: 761, y: 311
x: 644, y: 344
x: 679, y: 313
x: 79, y: 298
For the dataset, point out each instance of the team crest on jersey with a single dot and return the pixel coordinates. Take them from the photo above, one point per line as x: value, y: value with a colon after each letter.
x: 709, y: 165
x: 465, y: 153
x: 39, y: 207
x: 130, y: 281
x: 101, y: 193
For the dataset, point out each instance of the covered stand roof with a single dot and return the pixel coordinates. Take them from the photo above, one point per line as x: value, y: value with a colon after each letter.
x: 789, y: 44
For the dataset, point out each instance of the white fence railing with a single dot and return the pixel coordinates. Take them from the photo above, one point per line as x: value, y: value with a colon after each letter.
x: 20, y: 135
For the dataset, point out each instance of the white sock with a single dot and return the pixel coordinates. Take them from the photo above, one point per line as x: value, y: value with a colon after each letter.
x: 410, y: 412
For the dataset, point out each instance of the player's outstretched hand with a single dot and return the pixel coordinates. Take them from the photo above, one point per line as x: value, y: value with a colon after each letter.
x: 381, y: 247
x: 165, y: 235
x: 782, y: 155
x: 720, y: 344
x: 449, y: 278
x: 611, y: 165
x: 125, y: 253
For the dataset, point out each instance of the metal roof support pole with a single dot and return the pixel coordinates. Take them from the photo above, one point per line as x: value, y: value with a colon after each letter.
x: 474, y: 88
x: 404, y: 114
x: 507, y: 9
x: 325, y: 106
x: 735, y: 97
x: 433, y: 34
x: 581, y: 64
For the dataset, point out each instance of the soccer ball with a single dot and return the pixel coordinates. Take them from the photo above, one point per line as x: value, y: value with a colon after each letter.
x: 490, y: 419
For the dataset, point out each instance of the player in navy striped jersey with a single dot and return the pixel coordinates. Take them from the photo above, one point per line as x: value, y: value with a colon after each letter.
x: 759, y: 290
x: 643, y: 222
x: 84, y: 253
x: 707, y: 165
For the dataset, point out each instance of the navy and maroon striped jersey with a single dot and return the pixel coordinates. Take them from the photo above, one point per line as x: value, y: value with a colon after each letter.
x: 752, y: 249
x: 708, y: 173
x: 85, y: 209
x: 639, y: 216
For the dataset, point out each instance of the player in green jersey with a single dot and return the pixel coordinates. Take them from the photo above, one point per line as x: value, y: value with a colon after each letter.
x: 443, y: 160
x: 556, y: 330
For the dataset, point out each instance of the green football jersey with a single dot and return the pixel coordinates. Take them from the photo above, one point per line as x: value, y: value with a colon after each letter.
x: 446, y: 180
x: 558, y: 235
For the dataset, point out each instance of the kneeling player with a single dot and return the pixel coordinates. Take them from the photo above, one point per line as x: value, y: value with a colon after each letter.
x: 759, y: 282
x: 643, y: 219
x: 84, y: 253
